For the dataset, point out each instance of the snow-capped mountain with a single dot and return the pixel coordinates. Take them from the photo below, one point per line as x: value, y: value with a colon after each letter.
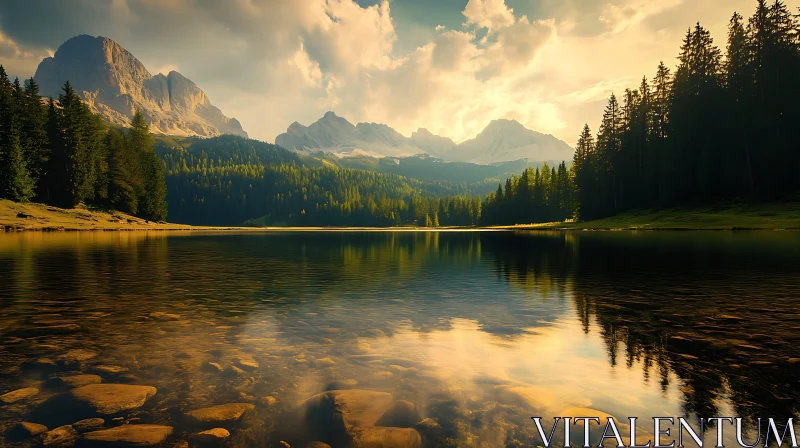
x: 504, y: 140
x: 500, y: 141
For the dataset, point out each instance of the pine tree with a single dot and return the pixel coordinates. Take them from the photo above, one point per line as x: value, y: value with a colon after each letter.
x: 152, y: 191
x: 33, y: 133
x: 739, y: 84
x: 609, y: 141
x: 121, y: 186
x: 15, y: 180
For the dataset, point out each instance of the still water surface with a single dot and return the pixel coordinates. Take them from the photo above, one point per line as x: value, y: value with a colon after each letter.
x: 471, y: 332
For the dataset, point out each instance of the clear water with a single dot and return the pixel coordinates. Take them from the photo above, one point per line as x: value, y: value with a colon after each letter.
x: 479, y: 330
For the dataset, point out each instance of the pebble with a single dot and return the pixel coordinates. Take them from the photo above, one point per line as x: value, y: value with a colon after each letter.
x: 19, y: 394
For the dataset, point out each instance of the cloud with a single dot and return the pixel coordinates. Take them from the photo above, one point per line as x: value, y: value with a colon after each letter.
x: 17, y: 61
x: 491, y: 14
x: 549, y: 64
x: 619, y: 17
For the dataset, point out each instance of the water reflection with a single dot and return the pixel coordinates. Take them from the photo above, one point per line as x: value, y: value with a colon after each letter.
x: 474, y: 332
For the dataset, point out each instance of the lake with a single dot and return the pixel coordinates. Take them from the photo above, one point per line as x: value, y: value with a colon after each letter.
x: 390, y: 338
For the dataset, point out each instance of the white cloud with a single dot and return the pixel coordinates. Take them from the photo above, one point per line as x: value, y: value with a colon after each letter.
x: 491, y: 14
x: 619, y: 17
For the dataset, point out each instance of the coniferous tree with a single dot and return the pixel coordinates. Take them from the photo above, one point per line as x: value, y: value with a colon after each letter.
x: 33, y: 132
x: 15, y: 180
x: 152, y: 191
x: 122, y: 184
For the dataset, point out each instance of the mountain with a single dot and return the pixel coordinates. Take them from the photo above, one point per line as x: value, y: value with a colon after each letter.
x: 504, y: 140
x: 335, y: 134
x: 500, y: 141
x: 114, y: 84
x: 432, y: 144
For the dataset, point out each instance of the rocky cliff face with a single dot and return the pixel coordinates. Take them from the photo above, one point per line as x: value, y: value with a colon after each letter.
x: 114, y: 84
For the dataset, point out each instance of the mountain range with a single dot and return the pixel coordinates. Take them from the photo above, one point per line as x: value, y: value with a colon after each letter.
x: 114, y: 84
x: 502, y: 140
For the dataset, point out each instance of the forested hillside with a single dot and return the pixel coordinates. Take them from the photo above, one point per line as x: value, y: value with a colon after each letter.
x: 718, y: 126
x: 59, y: 153
x: 228, y: 180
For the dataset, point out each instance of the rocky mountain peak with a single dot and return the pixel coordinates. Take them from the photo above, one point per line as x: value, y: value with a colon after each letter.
x: 115, y: 84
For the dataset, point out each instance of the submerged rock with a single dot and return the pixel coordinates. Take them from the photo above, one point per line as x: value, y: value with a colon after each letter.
x: 129, y: 435
x: 19, y: 394
x: 210, y: 437
x: 110, y: 370
x: 247, y: 363
x: 113, y: 398
x: 317, y: 444
x: 74, y: 358
x: 28, y: 429
x: 337, y: 417
x: 213, y: 367
x: 61, y: 437
x: 402, y: 414
x: 381, y: 437
x: 325, y: 362
x: 89, y: 424
x: 268, y: 400
x: 233, y: 371
x: 222, y: 415
x: 74, y: 381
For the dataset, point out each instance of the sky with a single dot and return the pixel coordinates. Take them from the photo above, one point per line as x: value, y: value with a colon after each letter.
x: 450, y: 66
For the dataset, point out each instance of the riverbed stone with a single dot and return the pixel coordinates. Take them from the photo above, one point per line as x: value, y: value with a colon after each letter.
x: 74, y: 380
x: 61, y: 437
x: 325, y: 362
x: 110, y: 369
x: 402, y: 414
x: 19, y: 394
x: 89, y: 424
x: 112, y: 398
x: 209, y: 437
x: 221, y: 415
x: 29, y: 429
x: 247, y: 363
x: 351, y: 407
x: 383, y: 437
x: 129, y: 435
x: 75, y: 359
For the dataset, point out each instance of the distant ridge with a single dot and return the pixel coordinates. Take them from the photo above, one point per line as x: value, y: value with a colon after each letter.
x: 501, y: 141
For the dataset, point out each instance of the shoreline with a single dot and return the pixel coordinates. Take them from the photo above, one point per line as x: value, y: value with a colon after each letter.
x: 32, y: 217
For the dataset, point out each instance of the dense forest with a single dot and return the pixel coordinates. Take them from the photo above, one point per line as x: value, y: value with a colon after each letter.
x: 718, y: 127
x: 59, y: 153
x: 536, y: 195
x: 230, y: 180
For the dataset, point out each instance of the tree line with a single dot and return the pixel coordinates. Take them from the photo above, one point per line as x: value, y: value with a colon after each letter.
x: 719, y: 126
x: 536, y: 195
x: 230, y: 180
x: 60, y: 153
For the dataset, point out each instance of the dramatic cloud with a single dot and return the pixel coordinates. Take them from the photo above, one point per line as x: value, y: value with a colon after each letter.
x: 490, y: 14
x: 550, y: 64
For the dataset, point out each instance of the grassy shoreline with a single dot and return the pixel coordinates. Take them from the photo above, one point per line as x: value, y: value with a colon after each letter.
x: 725, y: 216
x: 728, y: 216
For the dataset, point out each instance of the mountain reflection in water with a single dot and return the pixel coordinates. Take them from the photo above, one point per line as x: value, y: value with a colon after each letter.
x: 475, y: 332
